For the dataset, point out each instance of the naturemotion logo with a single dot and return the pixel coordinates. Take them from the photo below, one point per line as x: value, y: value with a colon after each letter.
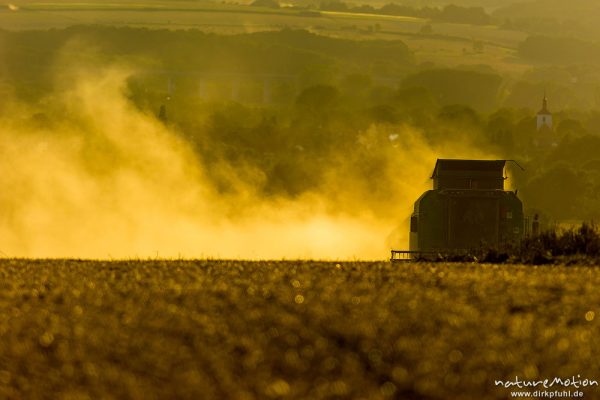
x: 574, y: 382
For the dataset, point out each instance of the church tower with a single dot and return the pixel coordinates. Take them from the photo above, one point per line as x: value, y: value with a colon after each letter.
x: 544, y: 118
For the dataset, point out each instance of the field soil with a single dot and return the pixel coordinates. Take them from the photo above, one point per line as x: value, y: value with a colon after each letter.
x: 254, y: 330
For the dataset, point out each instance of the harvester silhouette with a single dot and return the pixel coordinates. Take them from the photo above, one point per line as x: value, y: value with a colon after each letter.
x: 467, y: 209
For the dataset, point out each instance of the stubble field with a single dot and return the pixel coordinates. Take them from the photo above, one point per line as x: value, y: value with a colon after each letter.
x: 250, y: 330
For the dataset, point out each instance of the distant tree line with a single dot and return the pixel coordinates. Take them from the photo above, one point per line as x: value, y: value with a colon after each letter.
x: 449, y: 13
x: 295, y: 147
x: 30, y: 58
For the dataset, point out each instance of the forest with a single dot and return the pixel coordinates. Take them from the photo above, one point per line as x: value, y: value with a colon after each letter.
x: 334, y: 107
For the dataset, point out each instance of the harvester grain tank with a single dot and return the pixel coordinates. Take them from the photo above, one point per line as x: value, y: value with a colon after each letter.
x: 467, y: 208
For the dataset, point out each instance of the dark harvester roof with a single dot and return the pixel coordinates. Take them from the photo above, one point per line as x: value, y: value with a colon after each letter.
x: 443, y: 165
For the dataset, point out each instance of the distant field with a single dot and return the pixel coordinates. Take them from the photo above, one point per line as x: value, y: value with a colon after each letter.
x: 253, y: 330
x: 450, y: 44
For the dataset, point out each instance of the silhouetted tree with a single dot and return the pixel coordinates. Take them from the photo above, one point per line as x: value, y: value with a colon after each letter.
x: 162, y: 113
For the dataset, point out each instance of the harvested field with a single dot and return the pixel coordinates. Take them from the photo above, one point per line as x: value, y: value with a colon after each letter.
x: 245, y: 330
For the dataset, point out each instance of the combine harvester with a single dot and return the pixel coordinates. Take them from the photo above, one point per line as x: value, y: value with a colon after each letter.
x: 467, y: 209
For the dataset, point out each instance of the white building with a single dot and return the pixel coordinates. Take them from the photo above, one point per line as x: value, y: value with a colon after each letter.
x: 544, y: 118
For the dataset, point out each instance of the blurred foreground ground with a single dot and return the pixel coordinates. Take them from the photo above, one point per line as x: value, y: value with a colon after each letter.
x: 253, y: 330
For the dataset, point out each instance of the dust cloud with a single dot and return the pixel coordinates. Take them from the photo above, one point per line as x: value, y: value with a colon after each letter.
x: 110, y: 181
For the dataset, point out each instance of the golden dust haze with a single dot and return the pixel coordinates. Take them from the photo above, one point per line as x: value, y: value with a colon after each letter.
x: 109, y: 180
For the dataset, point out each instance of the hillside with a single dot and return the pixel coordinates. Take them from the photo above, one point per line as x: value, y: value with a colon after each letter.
x: 441, y: 42
x: 577, y: 18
